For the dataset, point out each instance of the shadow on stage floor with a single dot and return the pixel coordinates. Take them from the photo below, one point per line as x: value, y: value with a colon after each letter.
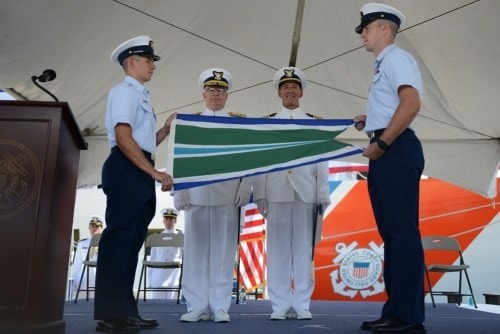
x: 328, y: 317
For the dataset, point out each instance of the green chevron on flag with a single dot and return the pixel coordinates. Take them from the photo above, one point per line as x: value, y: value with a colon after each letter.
x: 205, y: 149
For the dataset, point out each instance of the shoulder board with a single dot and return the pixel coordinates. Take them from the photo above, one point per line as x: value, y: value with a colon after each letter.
x: 179, y: 231
x: 235, y: 114
x: 83, y: 239
x: 314, y: 116
x: 270, y: 115
x: 198, y: 113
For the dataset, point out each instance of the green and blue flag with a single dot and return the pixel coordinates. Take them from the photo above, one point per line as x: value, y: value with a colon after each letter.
x: 206, y: 149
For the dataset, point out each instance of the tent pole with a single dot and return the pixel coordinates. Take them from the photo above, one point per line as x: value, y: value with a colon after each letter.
x: 296, y: 32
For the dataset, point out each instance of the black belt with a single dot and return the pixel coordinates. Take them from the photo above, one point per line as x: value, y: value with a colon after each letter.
x: 376, y: 133
x: 148, y: 155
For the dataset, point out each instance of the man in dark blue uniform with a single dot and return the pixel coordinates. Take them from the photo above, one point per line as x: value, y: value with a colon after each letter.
x: 395, y: 167
x: 128, y: 180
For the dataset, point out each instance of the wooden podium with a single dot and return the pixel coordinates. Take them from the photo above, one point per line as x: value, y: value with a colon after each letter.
x: 40, y: 145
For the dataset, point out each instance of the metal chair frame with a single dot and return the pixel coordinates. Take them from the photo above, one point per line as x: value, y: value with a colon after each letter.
x: 160, y: 240
x: 449, y: 244
x: 87, y: 264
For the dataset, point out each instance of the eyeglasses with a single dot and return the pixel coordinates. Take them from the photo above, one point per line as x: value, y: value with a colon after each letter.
x: 215, y: 90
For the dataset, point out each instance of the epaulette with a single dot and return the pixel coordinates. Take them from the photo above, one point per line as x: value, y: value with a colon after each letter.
x: 235, y: 114
x: 270, y: 115
x: 314, y: 116
x: 198, y: 113
x: 179, y: 231
x: 83, y: 239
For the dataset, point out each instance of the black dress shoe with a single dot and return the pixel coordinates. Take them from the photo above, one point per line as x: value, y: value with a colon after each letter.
x: 144, y: 323
x: 396, y: 326
x: 368, y: 325
x: 118, y: 326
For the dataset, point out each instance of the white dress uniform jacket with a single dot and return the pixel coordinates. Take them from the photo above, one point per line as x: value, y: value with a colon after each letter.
x: 290, y: 196
x: 211, y: 231
x: 221, y: 193
x: 283, y: 186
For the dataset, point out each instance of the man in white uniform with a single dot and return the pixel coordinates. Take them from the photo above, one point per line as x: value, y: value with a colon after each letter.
x: 165, y: 277
x: 211, y: 223
x: 288, y: 199
x: 95, y: 227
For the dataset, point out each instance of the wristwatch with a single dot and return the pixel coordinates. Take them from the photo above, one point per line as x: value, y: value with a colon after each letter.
x: 381, y: 144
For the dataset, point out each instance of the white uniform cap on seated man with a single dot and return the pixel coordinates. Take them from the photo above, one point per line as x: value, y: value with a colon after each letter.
x: 96, y: 220
x: 215, y: 77
x: 169, y: 212
x: 287, y: 74
x: 139, y: 46
x: 377, y: 11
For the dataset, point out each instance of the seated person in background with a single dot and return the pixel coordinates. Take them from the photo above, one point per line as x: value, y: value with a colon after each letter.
x: 165, y: 277
x: 96, y: 226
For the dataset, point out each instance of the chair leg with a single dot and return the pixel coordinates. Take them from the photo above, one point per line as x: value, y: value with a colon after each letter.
x: 144, y: 292
x: 88, y: 283
x: 139, y: 286
x: 470, y: 288
x: 430, y: 288
x: 80, y: 283
x: 460, y: 288
x: 179, y: 287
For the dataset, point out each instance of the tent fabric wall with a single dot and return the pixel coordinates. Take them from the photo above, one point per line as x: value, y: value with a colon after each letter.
x: 455, y: 42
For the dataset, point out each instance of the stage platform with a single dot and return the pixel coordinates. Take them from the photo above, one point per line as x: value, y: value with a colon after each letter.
x: 328, y: 317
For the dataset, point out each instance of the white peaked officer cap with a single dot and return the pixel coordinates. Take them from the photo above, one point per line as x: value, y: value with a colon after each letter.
x: 215, y: 77
x: 377, y: 11
x: 139, y: 46
x: 287, y: 74
x: 170, y: 212
x: 97, y: 220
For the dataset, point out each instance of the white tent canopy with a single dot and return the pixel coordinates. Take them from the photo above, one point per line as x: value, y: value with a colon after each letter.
x: 456, y: 43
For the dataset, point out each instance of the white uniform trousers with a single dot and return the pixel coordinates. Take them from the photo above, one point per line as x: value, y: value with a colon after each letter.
x: 209, y: 256
x: 289, y: 246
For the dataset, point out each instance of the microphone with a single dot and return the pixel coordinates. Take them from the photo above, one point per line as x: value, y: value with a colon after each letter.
x: 47, y: 75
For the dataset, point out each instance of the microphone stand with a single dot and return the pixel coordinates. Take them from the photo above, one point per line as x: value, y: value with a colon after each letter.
x: 33, y: 78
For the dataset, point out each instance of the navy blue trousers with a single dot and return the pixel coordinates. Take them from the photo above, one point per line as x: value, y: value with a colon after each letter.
x: 130, y: 207
x: 393, y: 185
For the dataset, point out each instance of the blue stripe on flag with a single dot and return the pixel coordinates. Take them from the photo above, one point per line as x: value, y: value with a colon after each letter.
x: 193, y: 150
x: 254, y: 121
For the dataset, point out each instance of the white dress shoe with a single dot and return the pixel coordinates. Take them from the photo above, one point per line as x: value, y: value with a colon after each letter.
x: 279, y: 315
x: 221, y: 316
x: 304, y: 315
x: 193, y: 316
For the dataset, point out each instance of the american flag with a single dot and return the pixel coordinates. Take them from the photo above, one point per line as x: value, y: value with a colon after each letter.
x: 252, y: 249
